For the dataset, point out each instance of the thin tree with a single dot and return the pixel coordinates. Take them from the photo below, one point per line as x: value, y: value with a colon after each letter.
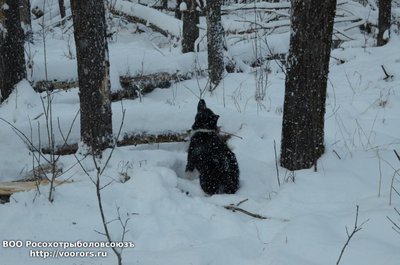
x: 12, y: 57
x: 190, y: 19
x: 61, y: 6
x: 384, y: 20
x: 306, y: 82
x: 93, y: 73
x: 215, y: 42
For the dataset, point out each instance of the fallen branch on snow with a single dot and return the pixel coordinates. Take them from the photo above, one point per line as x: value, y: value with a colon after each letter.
x: 156, y: 20
x: 234, y: 208
x: 132, y: 86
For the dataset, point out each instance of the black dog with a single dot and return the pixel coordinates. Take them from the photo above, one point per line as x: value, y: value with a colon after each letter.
x: 217, y: 164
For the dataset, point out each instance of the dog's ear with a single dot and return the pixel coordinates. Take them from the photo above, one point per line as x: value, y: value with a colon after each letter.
x: 202, y: 105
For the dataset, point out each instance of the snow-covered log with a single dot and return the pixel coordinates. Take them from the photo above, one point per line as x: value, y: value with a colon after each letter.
x: 132, y: 86
x: 155, y: 19
x: 127, y: 139
x: 133, y: 139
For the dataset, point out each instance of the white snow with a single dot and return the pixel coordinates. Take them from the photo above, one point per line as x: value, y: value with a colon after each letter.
x: 174, y: 26
x: 5, y: 6
x: 171, y: 221
x: 386, y: 34
x: 183, y: 6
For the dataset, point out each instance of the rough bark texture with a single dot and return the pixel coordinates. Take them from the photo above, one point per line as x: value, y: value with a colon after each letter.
x: 305, y: 88
x: 178, y: 13
x: 384, y: 20
x: 12, y: 57
x: 93, y: 72
x: 215, y: 42
x: 190, y: 19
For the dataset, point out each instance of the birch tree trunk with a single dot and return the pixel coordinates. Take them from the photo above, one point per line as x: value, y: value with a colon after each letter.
x: 215, y: 42
x: 12, y: 57
x: 306, y: 82
x: 93, y: 73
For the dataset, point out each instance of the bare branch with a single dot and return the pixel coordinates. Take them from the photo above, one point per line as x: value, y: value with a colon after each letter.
x: 234, y: 208
x: 276, y: 165
x: 25, y: 139
x: 396, y: 226
x: 116, y: 140
x: 388, y: 76
x: 350, y: 236
x: 397, y: 155
x: 239, y: 203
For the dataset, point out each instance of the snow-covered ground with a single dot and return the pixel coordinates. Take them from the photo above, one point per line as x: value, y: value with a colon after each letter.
x: 171, y: 221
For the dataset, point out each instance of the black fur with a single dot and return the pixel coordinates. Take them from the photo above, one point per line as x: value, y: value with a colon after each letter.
x: 217, y: 164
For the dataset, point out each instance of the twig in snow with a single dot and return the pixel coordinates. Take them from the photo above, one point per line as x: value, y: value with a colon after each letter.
x: 234, y: 208
x: 99, y: 171
x: 276, y: 165
x: 388, y: 77
x: 397, y: 154
x: 396, y: 227
x: 349, y: 236
x: 239, y: 203
x: 392, y: 188
x: 380, y: 173
x: 334, y: 151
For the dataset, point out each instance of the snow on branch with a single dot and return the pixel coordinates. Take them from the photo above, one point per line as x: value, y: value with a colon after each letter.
x: 166, y: 23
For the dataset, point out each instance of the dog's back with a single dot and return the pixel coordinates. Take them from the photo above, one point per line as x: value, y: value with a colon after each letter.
x: 217, y: 164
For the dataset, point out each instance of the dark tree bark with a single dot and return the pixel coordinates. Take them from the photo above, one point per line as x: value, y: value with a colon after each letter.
x: 25, y: 13
x: 93, y: 73
x: 190, y: 19
x: 306, y: 81
x: 178, y: 13
x: 164, y: 4
x: 384, y: 20
x: 61, y: 6
x: 215, y: 42
x: 12, y: 57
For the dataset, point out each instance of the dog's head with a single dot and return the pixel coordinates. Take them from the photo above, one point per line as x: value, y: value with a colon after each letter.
x: 205, y: 118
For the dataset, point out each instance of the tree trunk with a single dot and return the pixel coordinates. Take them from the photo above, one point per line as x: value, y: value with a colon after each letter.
x: 385, y: 13
x: 215, y: 42
x: 164, y: 4
x: 190, y: 19
x: 178, y: 13
x: 25, y: 13
x: 306, y: 80
x: 12, y: 57
x: 62, y: 8
x: 93, y: 73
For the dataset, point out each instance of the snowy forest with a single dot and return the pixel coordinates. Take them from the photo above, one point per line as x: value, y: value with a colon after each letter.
x: 200, y: 132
